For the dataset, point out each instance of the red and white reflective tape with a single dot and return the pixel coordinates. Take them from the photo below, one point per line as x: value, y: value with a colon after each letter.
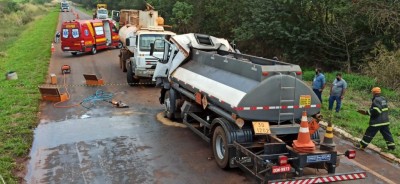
x: 253, y: 108
x: 326, y: 179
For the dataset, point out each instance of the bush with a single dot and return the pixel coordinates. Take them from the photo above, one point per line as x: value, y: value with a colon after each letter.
x: 384, y: 66
x: 355, y: 81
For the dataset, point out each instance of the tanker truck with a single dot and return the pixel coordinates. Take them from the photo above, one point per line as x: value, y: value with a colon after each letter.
x: 140, y: 29
x: 248, y: 108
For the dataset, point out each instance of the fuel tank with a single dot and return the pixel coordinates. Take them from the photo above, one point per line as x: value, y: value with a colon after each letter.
x: 252, y: 88
x: 126, y: 31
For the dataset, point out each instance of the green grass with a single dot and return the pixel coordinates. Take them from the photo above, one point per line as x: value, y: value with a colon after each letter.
x: 87, y: 11
x: 358, y: 96
x: 19, y: 99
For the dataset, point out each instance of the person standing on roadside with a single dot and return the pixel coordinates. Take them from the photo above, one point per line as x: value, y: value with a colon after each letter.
x: 378, y: 121
x: 338, y: 89
x: 318, y: 84
x: 58, y: 35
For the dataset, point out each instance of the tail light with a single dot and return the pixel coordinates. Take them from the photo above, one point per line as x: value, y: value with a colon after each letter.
x: 283, y: 160
x: 265, y: 73
x: 351, y: 154
x: 299, y: 73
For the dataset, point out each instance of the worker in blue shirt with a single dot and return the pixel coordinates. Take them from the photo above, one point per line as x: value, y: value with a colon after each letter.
x: 318, y: 84
x: 338, y: 89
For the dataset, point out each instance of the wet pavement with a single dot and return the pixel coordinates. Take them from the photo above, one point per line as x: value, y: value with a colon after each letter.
x: 105, y: 144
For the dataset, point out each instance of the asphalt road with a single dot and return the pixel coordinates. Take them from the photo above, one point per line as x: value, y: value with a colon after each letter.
x: 105, y: 144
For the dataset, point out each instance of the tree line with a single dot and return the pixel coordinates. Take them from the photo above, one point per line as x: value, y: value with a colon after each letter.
x: 347, y: 35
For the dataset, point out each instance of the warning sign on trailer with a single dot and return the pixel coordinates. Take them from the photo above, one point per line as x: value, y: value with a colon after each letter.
x: 305, y: 100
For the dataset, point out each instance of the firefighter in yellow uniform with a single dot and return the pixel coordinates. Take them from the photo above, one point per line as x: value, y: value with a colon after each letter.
x: 379, y: 121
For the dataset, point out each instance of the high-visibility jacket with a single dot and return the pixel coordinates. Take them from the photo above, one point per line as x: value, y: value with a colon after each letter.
x: 378, y: 112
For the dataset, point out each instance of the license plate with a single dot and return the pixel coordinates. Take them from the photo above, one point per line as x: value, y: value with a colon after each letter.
x: 261, y: 128
x: 66, y: 47
x: 318, y: 158
x: 281, y: 169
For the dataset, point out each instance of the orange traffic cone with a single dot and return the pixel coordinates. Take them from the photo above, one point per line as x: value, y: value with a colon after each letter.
x: 303, y: 142
x: 52, y: 48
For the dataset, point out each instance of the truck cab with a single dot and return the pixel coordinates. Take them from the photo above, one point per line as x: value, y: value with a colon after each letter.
x: 142, y: 64
x: 65, y: 7
x: 102, y: 13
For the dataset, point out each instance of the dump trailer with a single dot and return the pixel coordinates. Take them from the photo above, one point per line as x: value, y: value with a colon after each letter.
x: 249, y: 108
x: 141, y: 29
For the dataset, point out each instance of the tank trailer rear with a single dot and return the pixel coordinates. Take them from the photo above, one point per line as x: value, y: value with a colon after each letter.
x: 252, y: 110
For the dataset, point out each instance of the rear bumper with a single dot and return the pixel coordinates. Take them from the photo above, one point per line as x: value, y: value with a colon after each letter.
x: 75, y: 49
x: 143, y: 72
x: 323, y: 179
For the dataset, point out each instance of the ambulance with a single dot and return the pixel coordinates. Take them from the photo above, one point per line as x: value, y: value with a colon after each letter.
x: 89, y: 36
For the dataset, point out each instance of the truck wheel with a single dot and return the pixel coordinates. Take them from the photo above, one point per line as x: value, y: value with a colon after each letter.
x: 220, y: 148
x: 74, y: 53
x: 119, y: 45
x: 169, y: 112
x: 129, y: 77
x: 121, y: 58
x: 94, y: 51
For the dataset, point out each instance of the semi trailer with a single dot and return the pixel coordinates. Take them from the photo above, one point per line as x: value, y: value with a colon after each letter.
x: 248, y: 108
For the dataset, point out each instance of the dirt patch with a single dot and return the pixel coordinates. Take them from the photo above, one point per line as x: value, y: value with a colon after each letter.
x: 165, y: 121
x: 20, y: 169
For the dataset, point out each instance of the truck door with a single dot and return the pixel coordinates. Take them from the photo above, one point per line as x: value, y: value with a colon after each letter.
x: 70, y: 37
x: 100, y: 39
x: 107, y: 32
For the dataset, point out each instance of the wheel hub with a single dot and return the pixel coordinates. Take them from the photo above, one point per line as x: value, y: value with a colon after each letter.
x: 220, y: 147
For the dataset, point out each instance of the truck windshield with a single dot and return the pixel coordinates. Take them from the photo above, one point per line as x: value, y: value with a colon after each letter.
x: 64, y: 4
x: 102, y: 12
x: 146, y: 39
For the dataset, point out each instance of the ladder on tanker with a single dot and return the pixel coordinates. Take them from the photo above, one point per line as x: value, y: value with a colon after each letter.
x: 287, y: 101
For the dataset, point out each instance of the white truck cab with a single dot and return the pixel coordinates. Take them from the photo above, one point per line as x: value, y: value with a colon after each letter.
x: 142, y: 64
x: 102, y: 13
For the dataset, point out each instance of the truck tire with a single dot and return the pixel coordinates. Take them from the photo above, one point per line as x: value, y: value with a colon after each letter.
x: 121, y: 58
x: 220, y: 147
x: 169, y: 104
x: 119, y: 46
x: 130, y: 77
x: 93, y: 51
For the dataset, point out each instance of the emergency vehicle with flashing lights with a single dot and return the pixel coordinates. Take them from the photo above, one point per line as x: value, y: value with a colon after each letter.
x: 89, y: 36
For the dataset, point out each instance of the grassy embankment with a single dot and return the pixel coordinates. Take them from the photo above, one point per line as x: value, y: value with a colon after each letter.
x: 26, y: 50
x: 84, y: 10
x: 358, y: 96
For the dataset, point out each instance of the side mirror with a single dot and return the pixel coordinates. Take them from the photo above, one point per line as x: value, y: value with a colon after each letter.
x: 151, y: 49
x: 128, y: 42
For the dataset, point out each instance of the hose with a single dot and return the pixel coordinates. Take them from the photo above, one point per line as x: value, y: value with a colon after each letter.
x: 100, y: 95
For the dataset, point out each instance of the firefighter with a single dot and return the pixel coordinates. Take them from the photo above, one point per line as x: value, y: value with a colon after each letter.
x: 379, y: 121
